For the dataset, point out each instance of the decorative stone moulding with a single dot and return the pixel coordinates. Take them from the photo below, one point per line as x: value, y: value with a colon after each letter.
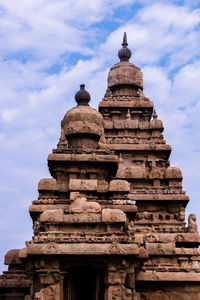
x: 83, y: 119
x: 135, y: 172
x: 83, y: 184
x: 113, y: 215
x: 52, y: 215
x: 108, y: 216
x: 47, y: 184
x: 123, y: 202
x: 119, y: 186
x: 125, y: 73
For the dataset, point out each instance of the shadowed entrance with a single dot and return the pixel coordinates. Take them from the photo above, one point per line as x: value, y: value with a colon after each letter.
x: 84, y: 283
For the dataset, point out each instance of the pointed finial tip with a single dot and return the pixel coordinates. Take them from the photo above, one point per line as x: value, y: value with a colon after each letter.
x: 124, y: 53
x: 155, y: 115
x: 124, y: 43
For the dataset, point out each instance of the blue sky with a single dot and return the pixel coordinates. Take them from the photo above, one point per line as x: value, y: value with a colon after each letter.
x: 49, y: 47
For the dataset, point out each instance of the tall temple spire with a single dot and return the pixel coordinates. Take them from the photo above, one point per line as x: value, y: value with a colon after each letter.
x: 124, y: 53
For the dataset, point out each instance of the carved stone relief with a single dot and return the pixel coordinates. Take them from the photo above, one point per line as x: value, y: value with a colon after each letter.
x: 48, y: 293
x: 192, y: 223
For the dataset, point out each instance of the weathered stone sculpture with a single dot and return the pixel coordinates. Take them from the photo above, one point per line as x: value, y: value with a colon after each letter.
x: 80, y: 205
x: 110, y: 223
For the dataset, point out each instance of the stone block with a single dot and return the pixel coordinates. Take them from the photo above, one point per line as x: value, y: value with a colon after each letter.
x: 47, y: 184
x: 110, y: 215
x: 119, y: 186
x: 83, y: 184
x: 82, y: 218
x: 173, y: 172
x: 160, y: 248
x: 52, y: 216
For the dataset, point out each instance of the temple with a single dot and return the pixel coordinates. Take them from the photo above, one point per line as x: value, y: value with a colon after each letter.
x: 110, y: 222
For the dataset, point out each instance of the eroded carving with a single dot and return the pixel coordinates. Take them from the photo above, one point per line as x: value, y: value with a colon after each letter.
x: 192, y: 223
x: 80, y: 204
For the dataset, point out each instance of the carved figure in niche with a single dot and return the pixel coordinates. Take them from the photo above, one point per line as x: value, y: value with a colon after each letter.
x: 80, y: 204
x: 108, y: 93
x: 182, y: 215
x: 39, y: 295
x: 48, y: 293
x: 115, y: 293
x: 141, y: 94
x: 62, y: 137
x: 127, y: 294
x: 115, y: 276
x: 148, y: 216
x: 180, y: 238
x: 102, y: 143
x: 192, y: 223
x: 130, y: 227
x: 155, y: 173
x: 150, y: 238
x: 139, y: 216
x: 128, y: 121
x: 36, y: 228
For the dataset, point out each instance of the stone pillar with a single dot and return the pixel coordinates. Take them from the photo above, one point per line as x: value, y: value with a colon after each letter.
x: 52, y: 286
x: 115, y: 279
x: 120, y: 282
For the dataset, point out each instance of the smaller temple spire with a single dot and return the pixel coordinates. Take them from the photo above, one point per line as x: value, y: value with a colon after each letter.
x: 82, y: 97
x: 155, y: 116
x: 124, y: 53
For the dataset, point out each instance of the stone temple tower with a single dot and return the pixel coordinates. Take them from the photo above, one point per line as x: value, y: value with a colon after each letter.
x: 110, y: 222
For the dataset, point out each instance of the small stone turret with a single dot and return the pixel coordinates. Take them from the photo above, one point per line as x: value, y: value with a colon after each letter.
x: 83, y: 125
x: 125, y: 78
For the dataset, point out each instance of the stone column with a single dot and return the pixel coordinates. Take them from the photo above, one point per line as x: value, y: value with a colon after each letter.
x: 114, y: 281
x: 120, y: 283
x: 52, y: 286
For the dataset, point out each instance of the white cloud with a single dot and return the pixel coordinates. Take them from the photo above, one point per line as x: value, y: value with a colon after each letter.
x: 8, y: 115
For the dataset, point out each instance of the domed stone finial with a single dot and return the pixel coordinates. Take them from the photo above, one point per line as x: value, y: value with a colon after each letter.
x: 155, y: 115
x: 82, y: 97
x: 124, y: 53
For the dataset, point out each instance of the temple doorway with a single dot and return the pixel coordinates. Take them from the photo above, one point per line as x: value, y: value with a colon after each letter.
x: 84, y: 283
